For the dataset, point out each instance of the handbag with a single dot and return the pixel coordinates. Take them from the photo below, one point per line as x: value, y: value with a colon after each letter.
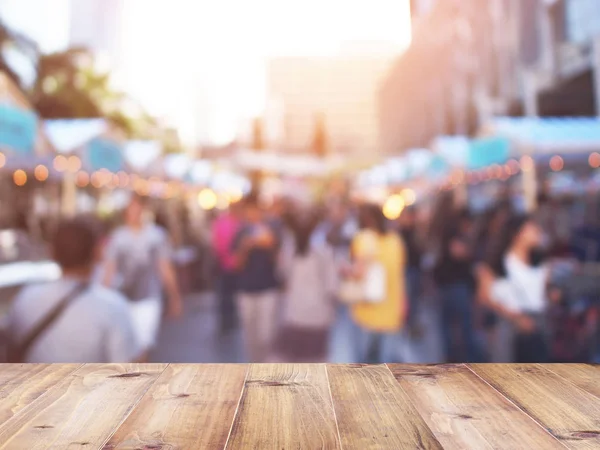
x: 371, y: 288
x: 16, y: 352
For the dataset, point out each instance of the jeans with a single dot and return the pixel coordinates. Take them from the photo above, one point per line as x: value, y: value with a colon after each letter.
x: 226, y: 299
x: 457, y: 308
x: 413, y: 291
x: 372, y: 347
x: 258, y: 313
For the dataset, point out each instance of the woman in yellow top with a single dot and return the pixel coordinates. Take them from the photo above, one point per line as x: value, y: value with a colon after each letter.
x: 379, y: 324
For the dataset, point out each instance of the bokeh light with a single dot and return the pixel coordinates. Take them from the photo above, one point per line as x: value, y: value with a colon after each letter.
x: 393, y: 207
x: 61, y: 163
x: 557, y: 163
x: 41, y: 173
x: 73, y: 163
x: 527, y: 164
x: 207, y: 199
x: 20, y: 177
x: 409, y: 196
x: 82, y: 179
x: 594, y: 160
x: 2, y: 159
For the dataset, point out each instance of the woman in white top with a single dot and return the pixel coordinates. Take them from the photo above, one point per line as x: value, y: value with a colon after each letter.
x: 310, y: 279
x: 519, y: 293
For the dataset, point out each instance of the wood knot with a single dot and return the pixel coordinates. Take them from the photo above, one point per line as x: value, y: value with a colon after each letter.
x: 585, y: 434
x: 43, y: 427
x: 268, y: 383
x: 128, y: 375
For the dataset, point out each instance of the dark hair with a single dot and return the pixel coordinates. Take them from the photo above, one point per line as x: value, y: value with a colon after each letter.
x: 511, y: 230
x: 303, y: 228
x: 74, y: 243
x: 251, y: 200
x: 139, y: 199
x: 371, y: 216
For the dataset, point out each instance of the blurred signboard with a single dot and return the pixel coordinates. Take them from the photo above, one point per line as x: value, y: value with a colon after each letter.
x: 486, y: 152
x: 18, y: 130
x: 105, y: 154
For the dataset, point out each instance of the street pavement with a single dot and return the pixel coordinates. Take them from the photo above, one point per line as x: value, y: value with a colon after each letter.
x: 195, y: 338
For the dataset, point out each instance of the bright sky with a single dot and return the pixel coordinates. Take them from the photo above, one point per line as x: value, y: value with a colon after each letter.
x: 180, y: 53
x: 200, y: 63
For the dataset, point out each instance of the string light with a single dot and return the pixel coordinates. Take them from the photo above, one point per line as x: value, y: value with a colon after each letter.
x: 20, y: 177
x: 207, y: 199
x: 557, y: 163
x: 82, y: 180
x: 41, y: 173
x: 409, y: 196
x: 123, y: 179
x: 513, y: 166
x: 73, y: 163
x: 97, y: 180
x: 594, y: 160
x: 61, y: 163
x: 496, y: 171
x: 393, y: 207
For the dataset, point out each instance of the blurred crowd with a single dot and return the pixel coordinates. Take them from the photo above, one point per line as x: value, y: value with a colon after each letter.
x: 505, y: 286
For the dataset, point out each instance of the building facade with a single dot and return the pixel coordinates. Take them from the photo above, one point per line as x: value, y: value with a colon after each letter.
x: 340, y: 93
x: 471, y: 60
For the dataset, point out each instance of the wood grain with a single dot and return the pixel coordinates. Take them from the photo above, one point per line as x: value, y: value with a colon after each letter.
x: 464, y: 412
x: 190, y: 406
x: 373, y: 412
x: 285, y: 406
x: 568, y: 412
x: 584, y: 376
x: 82, y: 410
x: 22, y: 384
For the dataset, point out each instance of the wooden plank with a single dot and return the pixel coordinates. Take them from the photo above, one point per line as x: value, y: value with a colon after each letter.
x: 568, y: 412
x: 285, y: 406
x: 81, y: 411
x: 373, y: 412
x: 584, y: 376
x: 22, y: 384
x: 190, y: 406
x: 464, y: 412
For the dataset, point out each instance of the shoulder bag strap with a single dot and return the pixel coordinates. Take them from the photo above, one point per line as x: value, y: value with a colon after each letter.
x: 23, y: 348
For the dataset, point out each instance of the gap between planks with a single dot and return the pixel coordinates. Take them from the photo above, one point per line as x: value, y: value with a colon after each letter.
x: 237, y: 407
x: 337, y: 426
x: 516, y: 404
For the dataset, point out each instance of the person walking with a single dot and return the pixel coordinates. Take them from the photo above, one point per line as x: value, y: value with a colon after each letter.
x: 310, y: 280
x: 256, y: 250
x: 224, y: 230
x: 408, y: 233
x: 454, y: 277
x: 520, y: 294
x: 73, y: 319
x: 139, y: 264
x: 378, y: 326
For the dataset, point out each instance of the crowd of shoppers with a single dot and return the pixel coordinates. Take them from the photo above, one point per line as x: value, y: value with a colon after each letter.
x: 288, y: 273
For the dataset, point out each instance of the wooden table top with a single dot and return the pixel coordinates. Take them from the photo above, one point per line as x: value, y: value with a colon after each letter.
x: 313, y: 406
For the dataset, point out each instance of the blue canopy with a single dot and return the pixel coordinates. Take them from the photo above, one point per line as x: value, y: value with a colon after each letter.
x: 18, y: 130
x: 103, y: 153
x: 563, y: 134
x: 486, y: 152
